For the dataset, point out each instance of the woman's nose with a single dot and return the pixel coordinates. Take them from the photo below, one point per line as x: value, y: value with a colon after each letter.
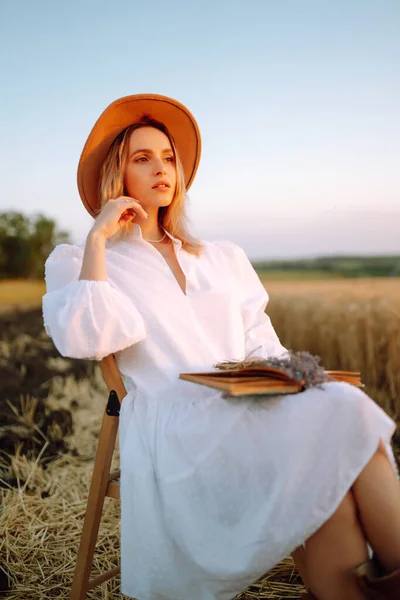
x: 159, y: 166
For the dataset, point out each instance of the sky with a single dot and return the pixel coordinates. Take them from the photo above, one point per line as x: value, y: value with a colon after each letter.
x: 298, y: 104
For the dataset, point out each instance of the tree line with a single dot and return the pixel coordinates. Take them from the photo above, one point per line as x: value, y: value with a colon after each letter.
x: 25, y: 243
x: 341, y: 266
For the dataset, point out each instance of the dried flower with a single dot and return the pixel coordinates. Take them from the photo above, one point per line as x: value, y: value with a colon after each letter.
x: 302, y: 366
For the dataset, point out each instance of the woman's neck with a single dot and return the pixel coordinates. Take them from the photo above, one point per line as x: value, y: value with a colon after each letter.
x: 151, y: 229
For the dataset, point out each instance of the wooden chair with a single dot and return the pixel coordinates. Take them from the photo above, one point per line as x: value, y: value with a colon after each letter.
x: 106, y: 484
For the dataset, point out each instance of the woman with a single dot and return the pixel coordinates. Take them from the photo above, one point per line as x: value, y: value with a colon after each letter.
x: 213, y: 492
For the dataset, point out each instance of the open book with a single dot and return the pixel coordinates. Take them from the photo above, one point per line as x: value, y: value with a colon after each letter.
x: 262, y: 380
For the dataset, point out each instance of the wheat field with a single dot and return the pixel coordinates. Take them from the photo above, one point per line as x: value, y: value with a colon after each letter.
x: 350, y: 324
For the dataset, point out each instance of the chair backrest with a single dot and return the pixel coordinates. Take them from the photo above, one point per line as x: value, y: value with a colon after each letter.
x: 112, y: 376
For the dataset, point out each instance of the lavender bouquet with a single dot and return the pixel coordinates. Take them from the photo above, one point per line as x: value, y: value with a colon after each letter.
x: 301, y: 366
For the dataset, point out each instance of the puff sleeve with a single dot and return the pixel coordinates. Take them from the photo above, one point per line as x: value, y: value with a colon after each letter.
x: 260, y: 337
x: 86, y: 319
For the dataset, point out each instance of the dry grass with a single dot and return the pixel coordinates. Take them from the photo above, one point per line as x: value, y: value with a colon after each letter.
x: 41, y: 522
x: 350, y: 324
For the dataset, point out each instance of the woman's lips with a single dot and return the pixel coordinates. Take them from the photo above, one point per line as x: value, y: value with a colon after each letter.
x: 161, y: 183
x: 161, y: 188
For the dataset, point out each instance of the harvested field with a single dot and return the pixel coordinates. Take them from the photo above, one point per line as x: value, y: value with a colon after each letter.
x: 51, y: 410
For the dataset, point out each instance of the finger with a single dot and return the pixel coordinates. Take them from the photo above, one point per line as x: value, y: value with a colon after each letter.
x: 128, y: 199
x: 128, y: 215
x: 136, y: 203
x: 142, y: 211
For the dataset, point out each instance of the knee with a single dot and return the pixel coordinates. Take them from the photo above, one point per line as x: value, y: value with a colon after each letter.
x: 341, y: 521
x: 346, y: 513
x: 381, y: 453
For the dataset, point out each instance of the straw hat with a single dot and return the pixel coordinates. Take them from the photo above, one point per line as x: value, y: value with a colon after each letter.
x: 119, y: 115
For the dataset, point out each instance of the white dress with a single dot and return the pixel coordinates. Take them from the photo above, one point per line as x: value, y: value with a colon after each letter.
x: 214, y: 492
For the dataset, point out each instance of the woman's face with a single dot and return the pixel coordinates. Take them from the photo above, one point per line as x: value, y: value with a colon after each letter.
x: 150, y: 173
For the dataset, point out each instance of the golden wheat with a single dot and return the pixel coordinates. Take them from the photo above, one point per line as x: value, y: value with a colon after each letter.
x: 14, y: 292
x: 350, y: 324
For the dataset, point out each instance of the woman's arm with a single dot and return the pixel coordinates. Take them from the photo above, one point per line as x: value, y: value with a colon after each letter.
x: 84, y: 313
x: 94, y: 258
x: 113, y: 215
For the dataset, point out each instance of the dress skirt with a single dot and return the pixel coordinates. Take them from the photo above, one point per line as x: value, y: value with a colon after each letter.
x: 215, y: 491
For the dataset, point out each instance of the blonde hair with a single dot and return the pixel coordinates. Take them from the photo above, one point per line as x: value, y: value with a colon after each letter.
x: 111, y: 185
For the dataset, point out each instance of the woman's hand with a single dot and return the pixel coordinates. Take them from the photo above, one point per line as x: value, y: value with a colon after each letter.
x: 115, y: 214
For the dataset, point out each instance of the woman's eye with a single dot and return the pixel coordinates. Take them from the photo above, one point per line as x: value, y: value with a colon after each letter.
x: 170, y: 158
x: 141, y: 159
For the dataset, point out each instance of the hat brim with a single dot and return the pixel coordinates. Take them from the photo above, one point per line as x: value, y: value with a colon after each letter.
x: 119, y: 115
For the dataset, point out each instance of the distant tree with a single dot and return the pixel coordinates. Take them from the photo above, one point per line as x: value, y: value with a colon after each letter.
x: 44, y: 238
x: 25, y: 244
x: 15, y: 224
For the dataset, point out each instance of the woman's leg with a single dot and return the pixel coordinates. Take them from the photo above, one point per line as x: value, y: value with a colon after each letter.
x: 370, y: 511
x: 332, y: 551
x: 377, y: 494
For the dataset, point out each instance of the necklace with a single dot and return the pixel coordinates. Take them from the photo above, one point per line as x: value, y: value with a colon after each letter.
x: 155, y: 241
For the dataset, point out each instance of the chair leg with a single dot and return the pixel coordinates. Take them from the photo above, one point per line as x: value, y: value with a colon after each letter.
x: 97, y: 493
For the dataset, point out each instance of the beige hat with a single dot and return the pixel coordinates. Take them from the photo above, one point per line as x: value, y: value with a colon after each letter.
x: 119, y: 115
